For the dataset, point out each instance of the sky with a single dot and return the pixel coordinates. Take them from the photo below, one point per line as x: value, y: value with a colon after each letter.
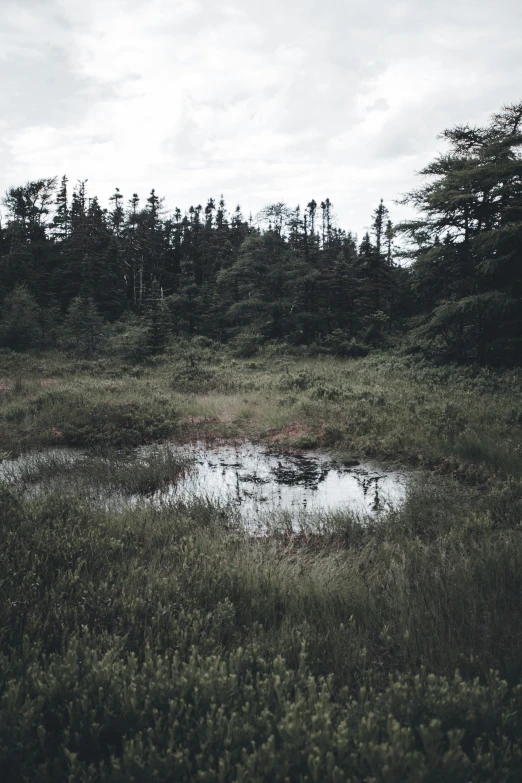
x: 258, y: 100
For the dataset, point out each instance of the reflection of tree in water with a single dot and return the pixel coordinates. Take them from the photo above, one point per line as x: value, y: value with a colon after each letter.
x: 252, y: 476
x: 300, y: 472
x: 366, y: 481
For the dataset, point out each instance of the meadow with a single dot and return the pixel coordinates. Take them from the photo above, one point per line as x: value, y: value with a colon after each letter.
x: 163, y: 643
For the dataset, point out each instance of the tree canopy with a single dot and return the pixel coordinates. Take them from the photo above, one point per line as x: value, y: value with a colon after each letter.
x: 452, y: 282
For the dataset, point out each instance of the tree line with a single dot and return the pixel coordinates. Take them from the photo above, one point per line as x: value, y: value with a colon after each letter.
x: 72, y: 270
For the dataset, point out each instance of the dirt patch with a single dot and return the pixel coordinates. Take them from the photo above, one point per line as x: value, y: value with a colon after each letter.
x: 290, y: 432
x: 207, y: 429
x: 199, y: 419
x: 297, y: 436
x: 55, y: 434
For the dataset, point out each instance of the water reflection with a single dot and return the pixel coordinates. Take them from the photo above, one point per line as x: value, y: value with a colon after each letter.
x: 257, y: 480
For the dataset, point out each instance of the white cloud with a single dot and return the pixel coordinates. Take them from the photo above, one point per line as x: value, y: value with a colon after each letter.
x: 261, y: 101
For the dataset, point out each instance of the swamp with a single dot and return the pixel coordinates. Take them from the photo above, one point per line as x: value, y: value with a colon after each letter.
x: 260, y: 479
x: 178, y: 630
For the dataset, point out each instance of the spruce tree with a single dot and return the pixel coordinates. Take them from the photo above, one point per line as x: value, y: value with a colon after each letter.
x: 83, y: 332
x: 157, y: 319
x: 20, y: 324
x: 467, y: 244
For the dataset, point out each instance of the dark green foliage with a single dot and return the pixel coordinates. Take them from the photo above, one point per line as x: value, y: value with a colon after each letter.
x: 99, y: 717
x: 82, y: 333
x: 215, y: 273
x: 263, y: 289
x: 130, y: 338
x: 21, y: 321
x: 338, y: 344
x: 114, y: 425
x: 467, y: 272
x: 247, y: 344
x: 157, y: 319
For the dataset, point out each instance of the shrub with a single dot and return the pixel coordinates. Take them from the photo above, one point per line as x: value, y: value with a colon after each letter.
x: 339, y: 344
x: 83, y: 331
x: 20, y: 327
x: 247, y: 344
x: 130, y: 340
x: 95, y: 716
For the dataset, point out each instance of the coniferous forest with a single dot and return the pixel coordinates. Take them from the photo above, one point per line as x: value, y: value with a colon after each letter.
x: 450, y: 280
x: 261, y: 483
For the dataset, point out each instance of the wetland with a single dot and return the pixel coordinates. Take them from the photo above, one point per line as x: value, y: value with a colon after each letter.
x: 388, y: 496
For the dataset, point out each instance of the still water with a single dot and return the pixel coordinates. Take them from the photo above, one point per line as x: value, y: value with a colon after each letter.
x: 259, y: 482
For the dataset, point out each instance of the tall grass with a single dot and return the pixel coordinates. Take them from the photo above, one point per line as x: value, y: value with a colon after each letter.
x: 91, y: 588
x: 160, y: 641
x: 69, y: 471
x: 386, y: 407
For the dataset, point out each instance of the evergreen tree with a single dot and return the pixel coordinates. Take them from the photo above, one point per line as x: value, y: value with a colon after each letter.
x: 157, y: 318
x: 83, y: 330
x: 117, y: 214
x: 20, y: 324
x: 468, y: 241
x: 61, y: 220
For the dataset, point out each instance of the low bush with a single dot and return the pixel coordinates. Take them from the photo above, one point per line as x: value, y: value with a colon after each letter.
x: 115, y: 424
x: 151, y: 643
x: 94, y: 716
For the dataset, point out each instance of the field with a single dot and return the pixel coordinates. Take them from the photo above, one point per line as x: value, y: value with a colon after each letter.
x: 162, y: 643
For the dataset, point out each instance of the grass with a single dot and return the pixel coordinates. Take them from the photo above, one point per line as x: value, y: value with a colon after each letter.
x: 159, y: 641
x: 90, y: 595
x: 70, y: 472
x: 385, y: 407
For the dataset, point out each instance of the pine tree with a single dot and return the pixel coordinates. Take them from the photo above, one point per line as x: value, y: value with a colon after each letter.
x: 61, y: 220
x: 20, y: 326
x: 468, y: 242
x: 117, y: 214
x: 157, y: 318
x: 83, y: 331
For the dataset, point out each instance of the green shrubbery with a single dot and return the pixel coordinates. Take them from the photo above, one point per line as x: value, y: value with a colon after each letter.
x: 150, y: 643
x: 129, y: 339
x: 94, y: 716
x: 115, y: 424
x: 339, y: 344
x: 23, y: 324
x: 83, y: 332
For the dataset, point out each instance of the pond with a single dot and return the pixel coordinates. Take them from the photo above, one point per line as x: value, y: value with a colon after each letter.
x: 259, y: 485
x: 260, y: 482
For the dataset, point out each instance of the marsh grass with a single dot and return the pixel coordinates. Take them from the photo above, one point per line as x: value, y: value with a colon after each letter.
x: 503, y: 456
x: 71, y: 471
x: 391, y: 573
x: 384, y: 407
x: 160, y: 641
x: 90, y: 595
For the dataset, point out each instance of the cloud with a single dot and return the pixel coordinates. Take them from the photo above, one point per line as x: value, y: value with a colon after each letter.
x: 261, y: 101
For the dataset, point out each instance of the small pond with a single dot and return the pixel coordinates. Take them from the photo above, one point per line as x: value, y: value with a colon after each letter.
x: 259, y: 482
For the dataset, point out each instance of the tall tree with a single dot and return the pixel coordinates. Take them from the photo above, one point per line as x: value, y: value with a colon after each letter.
x: 467, y: 244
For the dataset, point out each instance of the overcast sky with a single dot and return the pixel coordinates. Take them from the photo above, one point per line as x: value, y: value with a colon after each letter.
x: 261, y: 100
